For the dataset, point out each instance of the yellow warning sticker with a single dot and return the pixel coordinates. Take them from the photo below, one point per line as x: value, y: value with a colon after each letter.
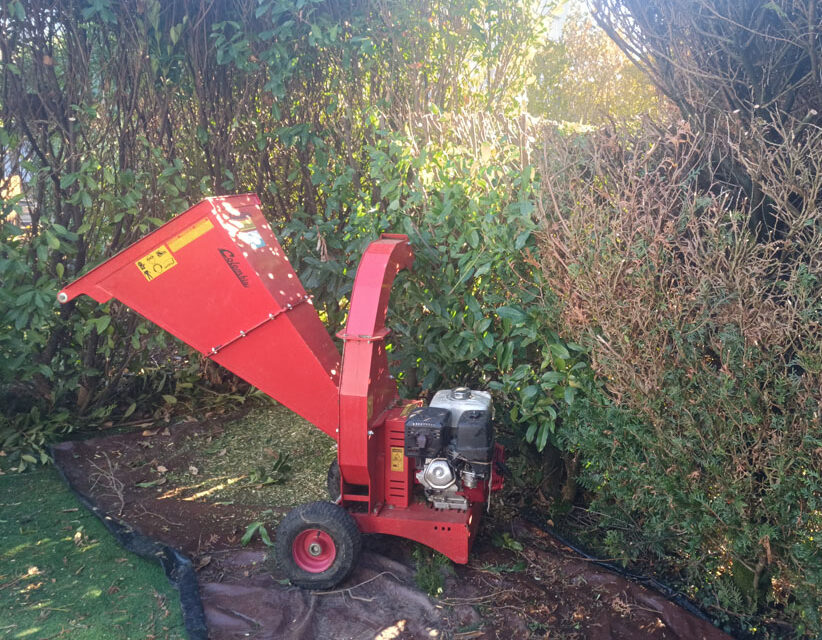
x: 156, y: 263
x: 190, y: 234
x: 397, y: 455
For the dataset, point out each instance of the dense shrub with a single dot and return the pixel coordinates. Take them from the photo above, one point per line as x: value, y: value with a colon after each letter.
x: 474, y: 310
x: 706, y: 444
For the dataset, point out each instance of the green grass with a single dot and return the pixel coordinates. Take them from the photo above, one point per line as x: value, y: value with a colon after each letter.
x: 62, y: 575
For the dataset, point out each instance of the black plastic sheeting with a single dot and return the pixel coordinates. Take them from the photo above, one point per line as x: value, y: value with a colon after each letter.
x: 670, y: 593
x: 178, y: 568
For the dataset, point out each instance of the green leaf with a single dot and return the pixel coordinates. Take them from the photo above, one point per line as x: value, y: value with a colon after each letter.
x: 131, y: 408
x: 553, y: 377
x: 169, y: 399
x: 522, y: 238
x: 529, y: 392
x: 265, y: 537
x: 52, y: 240
x: 510, y: 313
x: 559, y: 351
x: 67, y: 180
x: 102, y: 323
x: 542, y: 437
x: 249, y: 532
x: 520, y: 372
x: 150, y: 483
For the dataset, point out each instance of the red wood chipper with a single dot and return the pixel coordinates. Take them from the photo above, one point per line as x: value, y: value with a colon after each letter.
x: 216, y: 277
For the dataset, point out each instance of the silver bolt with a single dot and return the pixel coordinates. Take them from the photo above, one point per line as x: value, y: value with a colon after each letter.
x: 370, y: 433
x: 315, y: 549
x: 62, y: 298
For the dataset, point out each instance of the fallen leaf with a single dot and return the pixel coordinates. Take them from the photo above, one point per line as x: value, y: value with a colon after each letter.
x: 161, y: 469
x: 203, y: 562
x: 149, y: 432
x: 193, y: 470
x: 151, y: 483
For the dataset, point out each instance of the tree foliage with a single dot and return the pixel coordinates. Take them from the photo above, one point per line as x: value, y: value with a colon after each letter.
x: 584, y: 77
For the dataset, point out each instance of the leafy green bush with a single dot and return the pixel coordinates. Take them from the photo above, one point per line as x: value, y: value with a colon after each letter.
x: 474, y: 310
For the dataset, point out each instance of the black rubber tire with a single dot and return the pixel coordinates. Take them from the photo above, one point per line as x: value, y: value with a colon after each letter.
x: 333, y: 520
x: 333, y: 481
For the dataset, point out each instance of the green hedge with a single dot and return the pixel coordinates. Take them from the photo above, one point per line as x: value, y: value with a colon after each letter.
x: 702, y: 447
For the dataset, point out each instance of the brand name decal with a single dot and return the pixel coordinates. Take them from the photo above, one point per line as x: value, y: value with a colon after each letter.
x: 232, y: 263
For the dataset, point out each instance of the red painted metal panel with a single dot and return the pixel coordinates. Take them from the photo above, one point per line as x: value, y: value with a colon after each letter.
x: 216, y: 277
x: 450, y: 531
x: 398, y: 470
x: 366, y: 388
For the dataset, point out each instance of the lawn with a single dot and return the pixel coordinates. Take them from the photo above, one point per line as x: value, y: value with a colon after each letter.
x: 62, y: 575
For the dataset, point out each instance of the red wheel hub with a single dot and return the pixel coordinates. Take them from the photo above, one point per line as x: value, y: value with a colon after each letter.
x: 313, y: 550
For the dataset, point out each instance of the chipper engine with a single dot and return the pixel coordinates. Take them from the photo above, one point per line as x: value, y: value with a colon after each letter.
x: 216, y: 277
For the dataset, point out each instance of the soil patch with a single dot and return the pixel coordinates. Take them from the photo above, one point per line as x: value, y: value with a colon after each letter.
x: 198, y: 487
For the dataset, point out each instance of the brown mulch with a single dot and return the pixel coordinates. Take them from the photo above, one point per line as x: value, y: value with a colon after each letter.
x: 543, y: 591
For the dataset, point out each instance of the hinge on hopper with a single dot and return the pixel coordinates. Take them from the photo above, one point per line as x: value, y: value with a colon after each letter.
x: 271, y: 316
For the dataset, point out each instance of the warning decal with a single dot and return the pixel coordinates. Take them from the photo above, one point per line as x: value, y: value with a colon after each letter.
x: 156, y: 263
x: 190, y: 234
x: 397, y: 455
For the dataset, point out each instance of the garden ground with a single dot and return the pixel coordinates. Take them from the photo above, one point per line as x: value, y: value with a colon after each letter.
x: 217, y: 489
